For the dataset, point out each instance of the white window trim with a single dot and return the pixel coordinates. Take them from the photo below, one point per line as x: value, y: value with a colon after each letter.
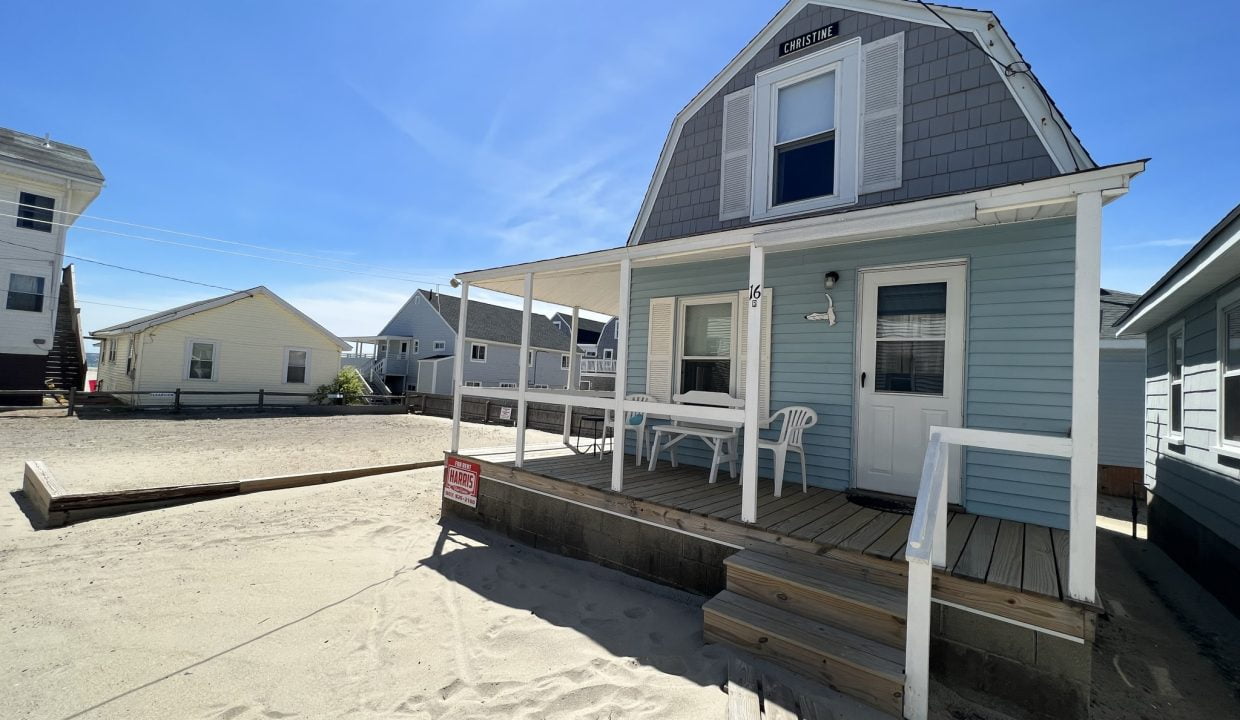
x: 414, y: 345
x: 439, y: 345
x: 845, y: 61
x: 131, y: 358
x: 1173, y: 329
x: 1223, y: 446
x: 734, y: 352
x: 472, y: 383
x: 189, y: 354
x: 473, y: 345
x: 508, y: 384
x: 541, y: 387
x: 564, y: 364
x: 608, y: 354
x: 44, y: 294
x: 284, y: 370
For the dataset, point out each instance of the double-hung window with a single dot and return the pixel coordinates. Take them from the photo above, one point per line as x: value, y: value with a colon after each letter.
x: 25, y: 293
x: 296, y: 362
x: 131, y: 359
x: 34, y: 212
x: 440, y: 345
x: 1175, y: 379
x: 608, y: 353
x: 478, y: 352
x: 1229, y: 371
x: 706, y: 344
x: 564, y: 362
x: 806, y: 120
x: 202, y: 360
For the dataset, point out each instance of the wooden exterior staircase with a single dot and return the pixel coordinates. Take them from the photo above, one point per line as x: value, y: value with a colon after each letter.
x: 66, y: 361
x: 837, y: 622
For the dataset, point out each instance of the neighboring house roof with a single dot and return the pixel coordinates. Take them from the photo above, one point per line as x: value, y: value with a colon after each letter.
x: 166, y: 316
x: 1064, y: 147
x: 496, y: 323
x: 582, y: 322
x: 1213, y: 261
x: 1114, y: 304
x: 36, y: 152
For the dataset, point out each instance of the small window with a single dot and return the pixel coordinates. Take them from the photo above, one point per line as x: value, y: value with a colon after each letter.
x: 508, y: 385
x: 34, y: 212
x: 25, y: 293
x: 585, y: 385
x: 608, y: 353
x: 542, y: 387
x: 478, y: 352
x: 404, y: 347
x: 131, y: 360
x: 529, y: 358
x: 591, y: 353
x: 564, y: 362
x: 112, y: 351
x: 472, y: 383
x: 706, y: 347
x: 103, y: 351
x: 1175, y: 379
x: 1229, y: 329
x: 201, y: 361
x: 295, y: 363
x: 440, y: 345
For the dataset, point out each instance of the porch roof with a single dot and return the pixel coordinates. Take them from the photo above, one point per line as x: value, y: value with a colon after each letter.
x: 591, y: 280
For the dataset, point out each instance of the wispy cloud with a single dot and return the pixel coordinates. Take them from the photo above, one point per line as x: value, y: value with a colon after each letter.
x: 1168, y: 242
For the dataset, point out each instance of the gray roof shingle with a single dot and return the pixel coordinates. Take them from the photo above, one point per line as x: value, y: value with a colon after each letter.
x: 1114, y: 304
x: 496, y: 323
x: 22, y: 149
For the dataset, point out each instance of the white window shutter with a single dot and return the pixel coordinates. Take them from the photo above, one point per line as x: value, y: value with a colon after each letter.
x: 882, y: 113
x: 742, y: 332
x: 734, y: 166
x: 661, y: 349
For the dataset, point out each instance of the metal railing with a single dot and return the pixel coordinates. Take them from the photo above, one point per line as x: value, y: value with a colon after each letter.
x: 596, y: 365
x: 77, y: 398
x: 927, y: 541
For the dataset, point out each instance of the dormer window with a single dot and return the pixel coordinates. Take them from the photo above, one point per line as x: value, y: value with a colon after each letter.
x: 804, y: 156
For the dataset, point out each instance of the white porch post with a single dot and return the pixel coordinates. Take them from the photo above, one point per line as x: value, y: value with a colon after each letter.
x: 1084, y: 473
x: 753, y: 385
x: 458, y: 368
x: 574, y: 369
x: 523, y: 367
x: 622, y: 376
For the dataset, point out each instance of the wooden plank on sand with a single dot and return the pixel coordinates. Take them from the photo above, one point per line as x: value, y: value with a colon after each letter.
x: 743, y: 703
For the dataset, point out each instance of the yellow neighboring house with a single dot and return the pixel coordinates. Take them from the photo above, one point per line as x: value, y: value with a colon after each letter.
x: 243, y: 342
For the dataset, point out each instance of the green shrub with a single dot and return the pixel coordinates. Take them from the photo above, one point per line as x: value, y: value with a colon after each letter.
x: 347, y: 383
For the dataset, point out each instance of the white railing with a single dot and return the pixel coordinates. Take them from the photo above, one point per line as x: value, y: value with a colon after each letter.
x: 927, y: 542
x: 595, y: 365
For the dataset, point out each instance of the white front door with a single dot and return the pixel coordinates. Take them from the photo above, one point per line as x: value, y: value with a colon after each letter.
x: 911, y: 372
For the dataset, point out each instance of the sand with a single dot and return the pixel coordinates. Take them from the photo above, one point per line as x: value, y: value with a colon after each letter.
x: 124, y: 451
x: 344, y: 600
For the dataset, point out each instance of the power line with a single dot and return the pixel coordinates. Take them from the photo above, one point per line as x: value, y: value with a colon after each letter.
x: 117, y: 267
x: 127, y: 307
x: 226, y: 252
x: 1014, y: 68
x: 207, y: 237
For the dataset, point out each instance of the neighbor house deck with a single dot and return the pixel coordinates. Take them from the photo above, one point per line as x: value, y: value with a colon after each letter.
x: 1011, y: 569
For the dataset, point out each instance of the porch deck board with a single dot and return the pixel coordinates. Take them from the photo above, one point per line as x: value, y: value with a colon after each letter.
x: 1003, y: 554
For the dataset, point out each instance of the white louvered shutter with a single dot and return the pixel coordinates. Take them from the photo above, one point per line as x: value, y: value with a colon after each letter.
x: 661, y: 349
x: 734, y: 166
x: 742, y: 332
x: 882, y: 113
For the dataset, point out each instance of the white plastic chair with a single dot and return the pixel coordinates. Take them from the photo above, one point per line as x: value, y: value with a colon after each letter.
x: 796, y: 420
x: 638, y: 427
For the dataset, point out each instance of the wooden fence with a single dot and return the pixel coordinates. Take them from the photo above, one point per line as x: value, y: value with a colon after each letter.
x: 539, y: 416
x: 172, y: 399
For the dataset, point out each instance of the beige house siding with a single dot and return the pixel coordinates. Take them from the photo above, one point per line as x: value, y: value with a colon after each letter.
x: 112, y: 377
x: 251, y: 336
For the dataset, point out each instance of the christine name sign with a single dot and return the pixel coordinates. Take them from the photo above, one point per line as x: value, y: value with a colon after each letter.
x: 800, y: 42
x: 460, y: 481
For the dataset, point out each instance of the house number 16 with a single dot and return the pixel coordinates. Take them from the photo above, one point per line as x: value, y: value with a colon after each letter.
x: 755, y: 294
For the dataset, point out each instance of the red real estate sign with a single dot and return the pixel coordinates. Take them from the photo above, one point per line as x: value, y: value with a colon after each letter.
x: 460, y: 481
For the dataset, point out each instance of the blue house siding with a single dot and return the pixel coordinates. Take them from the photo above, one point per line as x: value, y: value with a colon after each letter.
x: 1192, y: 476
x: 1018, y: 374
x: 418, y: 320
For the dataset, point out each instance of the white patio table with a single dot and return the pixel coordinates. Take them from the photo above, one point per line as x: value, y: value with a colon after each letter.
x: 721, y: 437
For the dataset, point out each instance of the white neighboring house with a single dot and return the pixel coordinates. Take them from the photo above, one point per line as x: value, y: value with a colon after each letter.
x: 243, y: 342
x: 44, y: 185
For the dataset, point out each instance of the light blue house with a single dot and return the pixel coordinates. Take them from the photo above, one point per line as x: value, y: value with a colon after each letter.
x: 415, y: 350
x: 1191, y: 322
x: 876, y: 212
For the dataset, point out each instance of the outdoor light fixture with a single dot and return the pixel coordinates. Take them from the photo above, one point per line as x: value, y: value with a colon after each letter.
x: 828, y: 281
x: 454, y: 283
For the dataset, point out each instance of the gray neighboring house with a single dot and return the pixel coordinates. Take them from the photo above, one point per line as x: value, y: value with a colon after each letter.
x: 597, y: 343
x: 587, y: 329
x: 1121, y: 444
x: 414, y: 350
x: 1191, y: 322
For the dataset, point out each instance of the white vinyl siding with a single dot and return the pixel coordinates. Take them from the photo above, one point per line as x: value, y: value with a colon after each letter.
x: 734, y: 167
x: 882, y: 108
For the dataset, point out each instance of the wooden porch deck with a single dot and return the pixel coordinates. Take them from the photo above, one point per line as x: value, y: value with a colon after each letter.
x: 1008, y: 568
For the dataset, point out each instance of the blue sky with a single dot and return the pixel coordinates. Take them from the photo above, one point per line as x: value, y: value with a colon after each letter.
x: 427, y: 138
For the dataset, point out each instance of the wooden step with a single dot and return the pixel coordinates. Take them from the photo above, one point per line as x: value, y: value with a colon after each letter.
x: 820, y: 590
x: 849, y: 663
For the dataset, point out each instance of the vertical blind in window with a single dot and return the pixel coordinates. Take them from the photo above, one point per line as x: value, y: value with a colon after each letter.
x: 910, y: 338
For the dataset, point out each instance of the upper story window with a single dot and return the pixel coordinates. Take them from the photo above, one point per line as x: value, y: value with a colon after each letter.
x: 25, y: 293
x: 478, y: 352
x: 804, y: 148
x: 440, y: 345
x: 1175, y: 378
x: 34, y: 212
x: 564, y: 362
